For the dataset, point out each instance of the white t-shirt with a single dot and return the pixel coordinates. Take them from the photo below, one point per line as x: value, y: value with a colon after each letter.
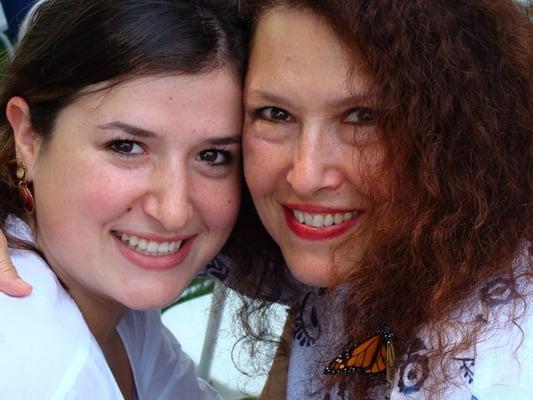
x: 48, y: 352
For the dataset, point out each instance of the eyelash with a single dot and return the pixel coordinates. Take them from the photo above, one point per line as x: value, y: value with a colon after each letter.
x: 120, y: 140
x: 223, y: 151
x: 363, y: 112
x: 259, y: 113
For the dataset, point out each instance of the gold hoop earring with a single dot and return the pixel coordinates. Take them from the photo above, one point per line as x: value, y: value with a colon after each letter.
x: 24, y: 191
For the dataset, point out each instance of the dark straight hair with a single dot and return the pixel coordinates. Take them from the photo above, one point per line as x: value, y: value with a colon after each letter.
x: 71, y: 45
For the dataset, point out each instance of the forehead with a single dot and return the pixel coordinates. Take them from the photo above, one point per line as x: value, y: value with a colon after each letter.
x: 205, y: 92
x: 183, y: 89
x: 172, y: 106
x: 296, y: 30
x: 297, y: 48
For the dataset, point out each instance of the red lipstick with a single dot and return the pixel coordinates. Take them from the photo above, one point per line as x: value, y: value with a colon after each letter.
x: 316, y: 233
x: 313, y: 208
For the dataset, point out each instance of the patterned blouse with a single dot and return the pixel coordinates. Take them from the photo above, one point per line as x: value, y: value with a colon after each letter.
x: 499, y: 366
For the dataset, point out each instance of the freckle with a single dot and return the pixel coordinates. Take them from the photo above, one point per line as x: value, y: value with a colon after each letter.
x: 171, y: 98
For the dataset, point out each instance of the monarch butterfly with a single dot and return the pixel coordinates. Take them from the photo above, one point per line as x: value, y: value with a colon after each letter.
x: 371, y: 357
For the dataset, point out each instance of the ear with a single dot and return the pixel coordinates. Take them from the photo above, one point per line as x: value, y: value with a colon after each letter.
x: 26, y: 140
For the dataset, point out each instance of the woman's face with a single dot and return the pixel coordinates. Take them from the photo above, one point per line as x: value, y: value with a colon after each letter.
x: 139, y: 186
x: 309, y: 140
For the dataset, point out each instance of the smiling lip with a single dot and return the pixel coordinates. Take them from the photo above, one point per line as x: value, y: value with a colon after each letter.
x: 316, y: 233
x: 154, y: 262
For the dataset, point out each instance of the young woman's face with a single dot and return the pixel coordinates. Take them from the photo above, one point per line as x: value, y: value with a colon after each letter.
x: 139, y: 186
x: 309, y: 140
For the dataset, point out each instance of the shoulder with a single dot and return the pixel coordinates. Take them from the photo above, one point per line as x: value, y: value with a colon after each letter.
x: 499, y: 364
x: 47, y: 349
x: 31, y: 267
x: 48, y: 303
x: 504, y: 353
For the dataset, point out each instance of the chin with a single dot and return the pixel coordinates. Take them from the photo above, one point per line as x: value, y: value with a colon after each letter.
x: 311, y: 273
x: 150, y: 300
x: 148, y: 304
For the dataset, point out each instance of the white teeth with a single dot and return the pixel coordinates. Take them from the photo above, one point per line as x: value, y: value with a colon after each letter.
x: 150, y: 247
x: 163, y: 247
x: 320, y: 220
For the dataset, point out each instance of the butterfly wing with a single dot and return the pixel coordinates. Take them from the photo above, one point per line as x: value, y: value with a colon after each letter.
x: 379, y: 365
x: 369, y: 356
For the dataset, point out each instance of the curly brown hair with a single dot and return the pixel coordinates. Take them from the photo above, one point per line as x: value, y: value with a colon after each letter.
x: 453, y: 83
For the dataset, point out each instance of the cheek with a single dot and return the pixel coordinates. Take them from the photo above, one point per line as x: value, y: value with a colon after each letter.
x: 262, y: 162
x: 112, y: 192
x: 85, y: 192
x: 219, y: 203
x: 367, y: 164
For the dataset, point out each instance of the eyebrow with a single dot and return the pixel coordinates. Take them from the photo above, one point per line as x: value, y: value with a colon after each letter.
x: 221, y: 141
x: 132, y: 130
x: 341, y: 102
x: 145, y: 133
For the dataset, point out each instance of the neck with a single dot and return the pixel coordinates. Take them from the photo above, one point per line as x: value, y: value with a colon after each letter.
x: 102, y: 316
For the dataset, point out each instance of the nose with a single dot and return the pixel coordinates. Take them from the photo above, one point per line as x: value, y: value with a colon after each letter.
x: 169, y: 200
x: 316, y: 165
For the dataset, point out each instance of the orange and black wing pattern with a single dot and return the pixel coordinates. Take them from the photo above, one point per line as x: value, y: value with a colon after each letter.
x: 369, y: 357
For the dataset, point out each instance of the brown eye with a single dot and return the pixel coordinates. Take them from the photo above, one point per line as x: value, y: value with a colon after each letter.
x: 361, y: 116
x: 274, y: 114
x: 126, y: 147
x: 215, y: 157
